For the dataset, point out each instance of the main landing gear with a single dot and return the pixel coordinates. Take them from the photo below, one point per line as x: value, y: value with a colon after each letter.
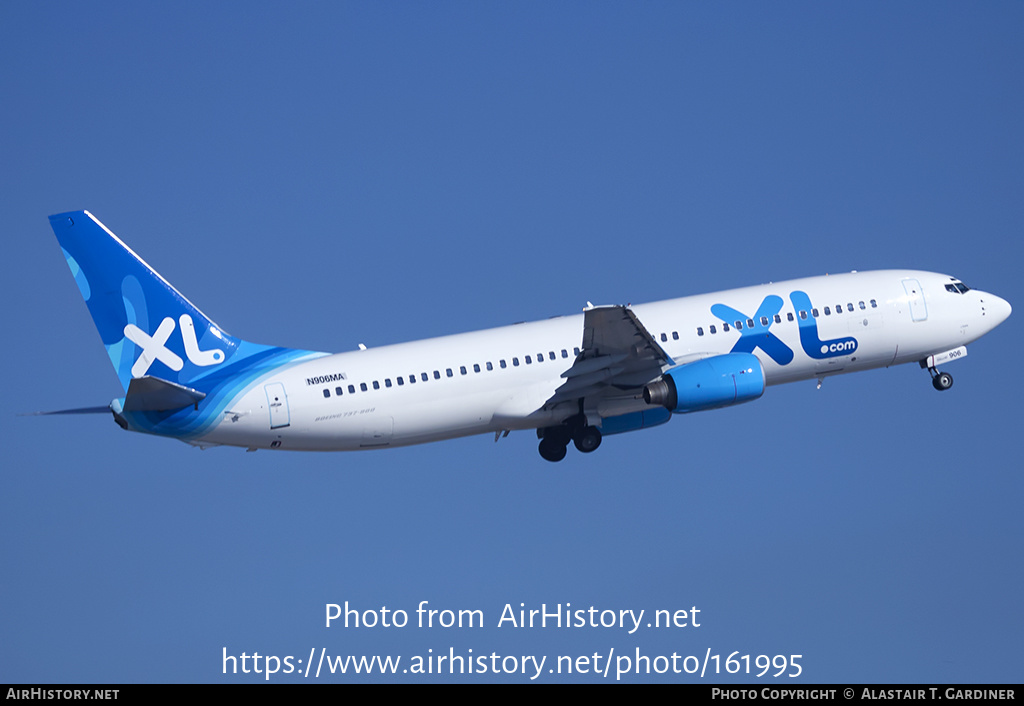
x: 554, y: 441
x: 941, y: 381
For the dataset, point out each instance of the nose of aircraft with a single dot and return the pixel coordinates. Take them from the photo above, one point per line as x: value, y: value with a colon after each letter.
x: 997, y: 308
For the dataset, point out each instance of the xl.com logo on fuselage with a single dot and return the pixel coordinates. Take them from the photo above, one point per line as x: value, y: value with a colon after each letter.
x: 846, y: 345
x: 759, y: 335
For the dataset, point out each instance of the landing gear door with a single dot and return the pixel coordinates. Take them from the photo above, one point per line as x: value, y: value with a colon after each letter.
x: 915, y: 298
x: 277, y: 401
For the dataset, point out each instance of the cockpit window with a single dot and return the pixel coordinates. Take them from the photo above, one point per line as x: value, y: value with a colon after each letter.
x: 958, y: 288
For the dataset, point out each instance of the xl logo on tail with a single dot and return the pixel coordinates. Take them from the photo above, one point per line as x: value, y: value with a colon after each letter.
x: 757, y: 335
x: 154, y: 347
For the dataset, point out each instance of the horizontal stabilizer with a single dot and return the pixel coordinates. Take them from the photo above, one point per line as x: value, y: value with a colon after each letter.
x: 151, y: 394
x: 81, y: 410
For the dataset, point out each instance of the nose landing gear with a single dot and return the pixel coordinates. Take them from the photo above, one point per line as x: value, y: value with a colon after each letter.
x: 941, y: 381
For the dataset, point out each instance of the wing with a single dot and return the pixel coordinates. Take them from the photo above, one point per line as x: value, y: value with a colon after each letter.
x: 617, y: 358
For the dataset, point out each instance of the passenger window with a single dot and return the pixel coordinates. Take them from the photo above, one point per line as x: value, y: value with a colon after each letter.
x: 376, y: 385
x: 739, y: 326
x: 502, y: 363
x: 700, y: 331
x: 764, y: 320
x: 576, y: 351
x: 489, y: 366
x: 664, y: 338
x: 540, y: 357
x: 424, y: 377
x: 862, y: 305
x: 711, y: 328
x: 515, y: 362
x: 412, y: 379
x: 565, y: 353
x: 528, y: 360
x: 750, y: 323
x: 827, y: 312
x: 778, y: 319
x: 551, y: 356
x: 448, y: 372
x: 725, y: 327
x: 814, y: 312
x: 849, y: 307
x: 476, y: 367
x: 675, y: 335
x: 803, y: 314
x: 437, y: 374
x: 327, y: 393
x: 362, y: 386
x: 351, y: 389
x: 401, y: 380
x: 387, y: 382
x: 462, y: 369
x: 338, y: 391
x: 874, y: 304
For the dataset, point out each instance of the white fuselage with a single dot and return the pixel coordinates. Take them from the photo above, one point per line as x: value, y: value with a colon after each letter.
x: 500, y: 379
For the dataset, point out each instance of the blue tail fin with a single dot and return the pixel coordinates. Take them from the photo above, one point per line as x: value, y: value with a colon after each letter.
x: 147, y: 326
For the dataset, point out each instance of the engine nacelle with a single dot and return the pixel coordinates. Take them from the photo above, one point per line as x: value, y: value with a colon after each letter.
x: 634, y: 420
x: 719, y: 381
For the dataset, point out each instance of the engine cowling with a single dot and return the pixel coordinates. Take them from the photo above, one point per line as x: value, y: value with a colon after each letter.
x: 634, y: 420
x: 719, y: 381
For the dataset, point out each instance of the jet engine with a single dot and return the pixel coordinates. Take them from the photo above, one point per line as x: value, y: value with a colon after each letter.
x: 719, y: 381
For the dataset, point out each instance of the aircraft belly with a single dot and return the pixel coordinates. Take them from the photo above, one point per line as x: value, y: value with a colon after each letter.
x: 446, y: 419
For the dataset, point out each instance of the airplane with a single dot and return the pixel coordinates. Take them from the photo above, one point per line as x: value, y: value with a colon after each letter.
x: 578, y: 378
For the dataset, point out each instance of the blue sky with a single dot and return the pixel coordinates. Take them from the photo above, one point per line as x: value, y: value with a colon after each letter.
x: 319, y: 175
